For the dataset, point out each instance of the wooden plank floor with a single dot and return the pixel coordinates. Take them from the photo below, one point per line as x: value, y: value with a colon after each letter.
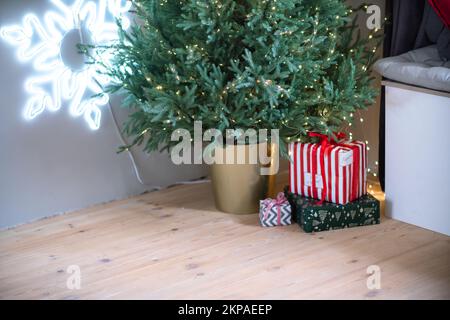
x: 173, y: 244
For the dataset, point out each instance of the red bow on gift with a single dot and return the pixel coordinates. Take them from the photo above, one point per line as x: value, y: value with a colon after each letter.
x: 324, y: 139
x: 327, y: 145
x: 270, y: 203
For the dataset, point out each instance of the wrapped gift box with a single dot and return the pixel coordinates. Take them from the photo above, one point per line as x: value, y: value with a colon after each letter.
x: 314, y: 216
x: 333, y: 172
x: 275, y: 212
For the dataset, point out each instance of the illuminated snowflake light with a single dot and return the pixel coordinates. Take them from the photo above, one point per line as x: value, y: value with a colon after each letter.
x: 50, y: 44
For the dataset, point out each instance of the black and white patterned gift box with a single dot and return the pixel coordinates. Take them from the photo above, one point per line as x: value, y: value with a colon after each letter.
x: 275, y: 212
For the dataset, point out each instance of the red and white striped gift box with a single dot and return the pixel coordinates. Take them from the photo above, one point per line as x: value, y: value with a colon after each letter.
x: 341, y: 168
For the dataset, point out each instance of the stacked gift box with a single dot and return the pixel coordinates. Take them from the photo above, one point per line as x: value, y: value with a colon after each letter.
x: 328, y: 185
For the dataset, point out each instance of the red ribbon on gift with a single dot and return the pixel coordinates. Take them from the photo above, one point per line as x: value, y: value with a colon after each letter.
x: 270, y: 203
x: 325, y: 140
x: 327, y: 146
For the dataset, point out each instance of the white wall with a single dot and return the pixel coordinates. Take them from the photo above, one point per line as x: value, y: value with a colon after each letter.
x: 55, y: 163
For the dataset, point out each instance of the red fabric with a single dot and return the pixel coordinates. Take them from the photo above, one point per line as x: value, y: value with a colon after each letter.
x: 442, y: 8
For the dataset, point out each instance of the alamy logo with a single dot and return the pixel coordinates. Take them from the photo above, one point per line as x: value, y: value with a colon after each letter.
x: 374, y: 279
x: 373, y: 22
x: 227, y: 149
x: 74, y: 280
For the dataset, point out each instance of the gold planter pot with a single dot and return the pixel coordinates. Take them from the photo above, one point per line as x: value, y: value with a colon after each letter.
x: 238, y: 187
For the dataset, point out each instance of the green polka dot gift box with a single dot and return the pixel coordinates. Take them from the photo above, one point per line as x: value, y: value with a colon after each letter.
x: 313, y: 215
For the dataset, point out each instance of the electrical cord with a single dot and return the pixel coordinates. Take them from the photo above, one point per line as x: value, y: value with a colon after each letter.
x: 123, y: 142
x: 133, y: 160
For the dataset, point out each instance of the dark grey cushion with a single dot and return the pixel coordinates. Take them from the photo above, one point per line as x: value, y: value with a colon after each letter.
x: 421, y: 67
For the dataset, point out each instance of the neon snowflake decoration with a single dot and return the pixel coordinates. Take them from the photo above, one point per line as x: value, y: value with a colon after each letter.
x: 51, y: 45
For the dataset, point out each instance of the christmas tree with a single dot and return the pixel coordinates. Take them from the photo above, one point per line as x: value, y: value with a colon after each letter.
x: 293, y: 65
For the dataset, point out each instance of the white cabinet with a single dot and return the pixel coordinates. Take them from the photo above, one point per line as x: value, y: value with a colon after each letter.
x: 418, y: 158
